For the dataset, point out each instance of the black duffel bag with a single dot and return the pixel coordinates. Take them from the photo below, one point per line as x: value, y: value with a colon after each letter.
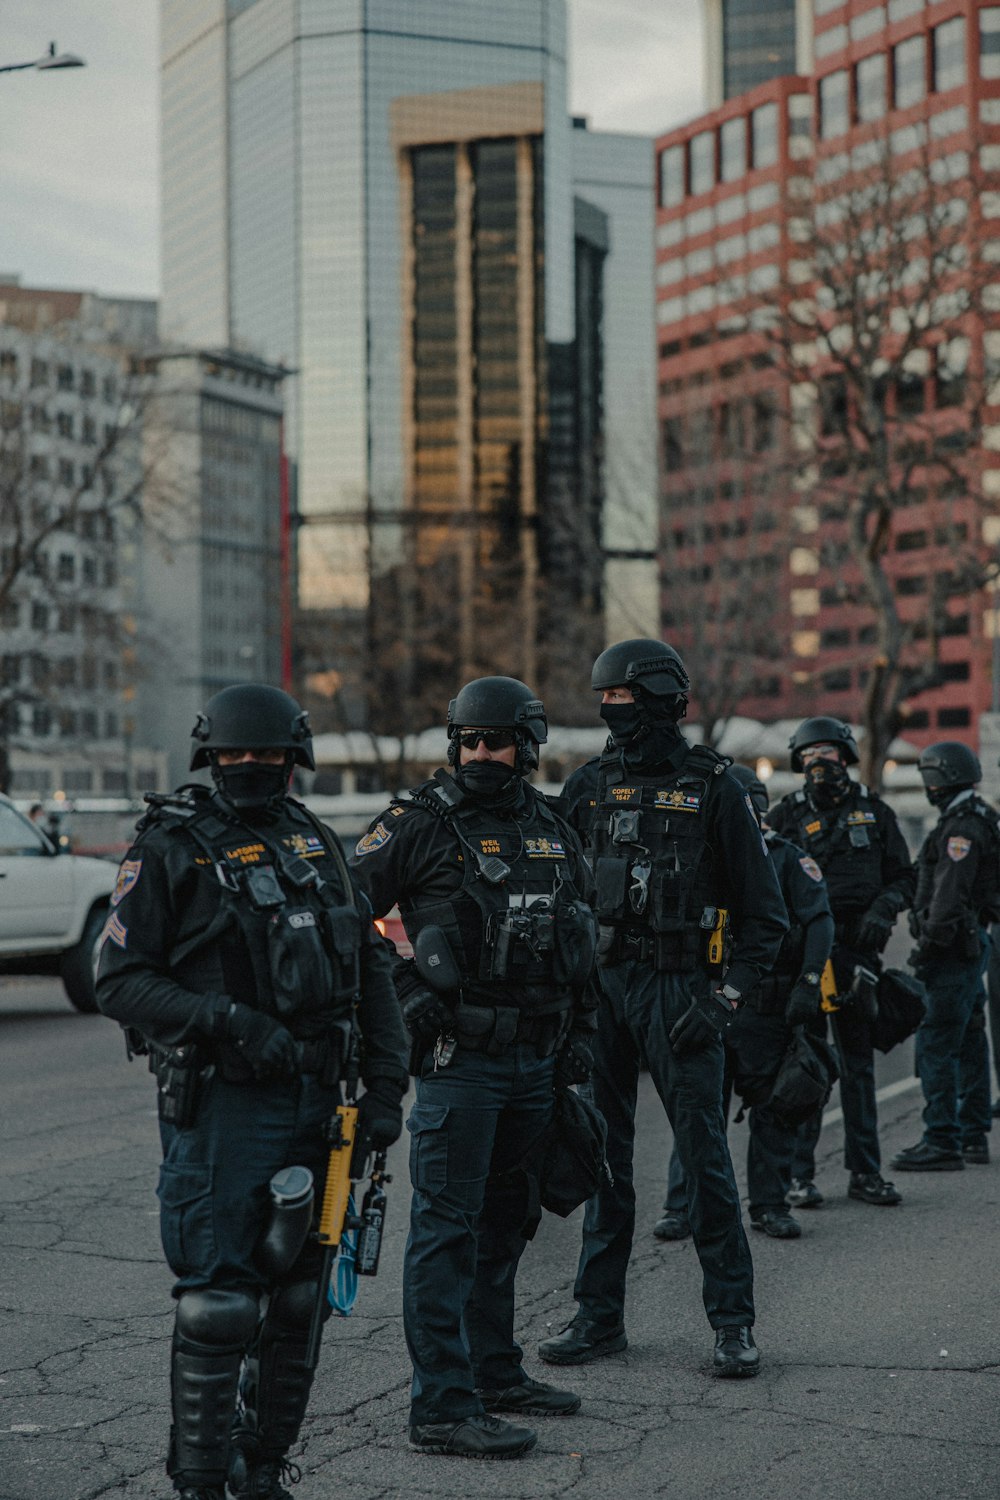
x: 805, y: 1079
x: 573, y: 1163
x: 901, y: 1007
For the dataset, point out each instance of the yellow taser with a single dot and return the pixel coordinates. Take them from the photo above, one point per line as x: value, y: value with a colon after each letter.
x: 828, y: 988
x: 717, y: 937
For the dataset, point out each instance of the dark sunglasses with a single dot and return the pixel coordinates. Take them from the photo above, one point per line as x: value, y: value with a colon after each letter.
x: 493, y: 739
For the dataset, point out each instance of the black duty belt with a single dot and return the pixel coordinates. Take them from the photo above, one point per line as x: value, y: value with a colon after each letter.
x: 491, y: 1028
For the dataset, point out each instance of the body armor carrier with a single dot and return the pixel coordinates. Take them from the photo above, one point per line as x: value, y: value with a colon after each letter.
x: 653, y: 864
x: 846, y: 843
x: 521, y: 933
x: 987, y: 894
x: 303, y: 935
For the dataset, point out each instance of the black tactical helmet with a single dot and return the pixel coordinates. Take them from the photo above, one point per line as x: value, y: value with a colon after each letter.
x: 949, y: 763
x: 753, y: 786
x: 251, y: 716
x: 823, y: 731
x: 652, y: 665
x: 499, y: 703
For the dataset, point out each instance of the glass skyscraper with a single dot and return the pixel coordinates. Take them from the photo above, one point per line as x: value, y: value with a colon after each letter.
x: 379, y: 193
x: 748, y: 42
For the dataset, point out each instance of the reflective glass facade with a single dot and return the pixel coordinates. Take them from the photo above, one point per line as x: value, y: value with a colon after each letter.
x: 345, y: 123
x: 758, y: 43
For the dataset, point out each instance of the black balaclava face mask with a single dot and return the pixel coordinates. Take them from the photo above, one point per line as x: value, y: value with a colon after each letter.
x: 940, y: 796
x: 624, y: 721
x: 251, y: 785
x: 827, y: 782
x: 490, y: 780
x: 647, y: 730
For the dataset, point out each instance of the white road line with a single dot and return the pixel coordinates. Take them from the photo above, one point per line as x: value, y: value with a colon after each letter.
x: 901, y: 1086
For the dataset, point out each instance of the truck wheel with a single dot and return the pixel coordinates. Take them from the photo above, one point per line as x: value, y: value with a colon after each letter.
x: 78, y: 964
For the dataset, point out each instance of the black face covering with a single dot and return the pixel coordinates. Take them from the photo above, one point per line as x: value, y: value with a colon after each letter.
x: 624, y: 721
x: 827, y: 782
x: 492, y: 780
x: 251, y: 783
x: 940, y: 796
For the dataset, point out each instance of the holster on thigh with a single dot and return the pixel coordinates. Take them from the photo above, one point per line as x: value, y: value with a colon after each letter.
x: 277, y: 1380
x: 212, y: 1330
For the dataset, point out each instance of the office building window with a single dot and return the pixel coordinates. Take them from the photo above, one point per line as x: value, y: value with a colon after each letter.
x: 909, y: 72
x: 870, y: 81
x: 834, y: 104
x: 953, y: 718
x: 733, y: 149
x: 701, y: 151
x: 989, y: 46
x: 671, y: 176
x: 948, y: 41
x: 764, y: 136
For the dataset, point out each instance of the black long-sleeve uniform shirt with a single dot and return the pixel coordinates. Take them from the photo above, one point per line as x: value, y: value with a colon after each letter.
x: 746, y: 881
x: 172, y: 956
x: 957, y: 874
x: 808, y: 945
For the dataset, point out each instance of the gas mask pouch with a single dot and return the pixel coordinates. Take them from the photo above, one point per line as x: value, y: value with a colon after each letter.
x: 302, y: 976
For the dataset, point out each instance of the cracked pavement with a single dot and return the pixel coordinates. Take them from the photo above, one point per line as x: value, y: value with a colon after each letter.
x: 878, y: 1329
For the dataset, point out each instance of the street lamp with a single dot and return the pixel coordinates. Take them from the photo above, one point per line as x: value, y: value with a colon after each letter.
x: 50, y: 59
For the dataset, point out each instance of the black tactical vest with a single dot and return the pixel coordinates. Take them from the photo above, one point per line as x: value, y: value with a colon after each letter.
x: 518, y: 927
x: 846, y: 843
x: 302, y: 933
x: 653, y: 864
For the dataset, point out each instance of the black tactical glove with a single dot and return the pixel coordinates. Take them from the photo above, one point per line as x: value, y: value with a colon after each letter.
x: 380, y: 1115
x: 704, y: 1020
x: 267, y: 1046
x: 803, y: 1002
x: 874, y: 930
x: 426, y: 1015
x: 574, y: 1062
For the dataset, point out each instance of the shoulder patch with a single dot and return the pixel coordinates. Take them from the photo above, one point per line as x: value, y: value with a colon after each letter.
x: 811, y: 868
x: 115, y: 931
x: 379, y: 836
x: 958, y: 847
x: 128, y: 878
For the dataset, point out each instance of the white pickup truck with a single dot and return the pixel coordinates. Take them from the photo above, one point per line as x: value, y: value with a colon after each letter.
x: 52, y: 906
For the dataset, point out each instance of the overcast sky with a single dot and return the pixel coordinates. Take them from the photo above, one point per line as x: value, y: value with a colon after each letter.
x: 78, y: 149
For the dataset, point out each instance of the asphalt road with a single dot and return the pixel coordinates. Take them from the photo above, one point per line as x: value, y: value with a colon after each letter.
x: 878, y: 1329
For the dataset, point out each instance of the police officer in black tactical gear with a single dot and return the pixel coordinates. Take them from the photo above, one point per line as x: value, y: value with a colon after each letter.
x: 758, y: 1039
x: 855, y: 839
x: 480, y: 862
x: 239, y: 954
x: 958, y: 895
x: 678, y: 857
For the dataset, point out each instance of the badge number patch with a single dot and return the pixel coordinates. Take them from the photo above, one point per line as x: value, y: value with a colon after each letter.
x: 128, y: 879
x: 379, y: 836
x: 958, y: 848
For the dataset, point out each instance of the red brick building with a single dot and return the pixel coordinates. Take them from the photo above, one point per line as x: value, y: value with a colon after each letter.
x: 755, y: 543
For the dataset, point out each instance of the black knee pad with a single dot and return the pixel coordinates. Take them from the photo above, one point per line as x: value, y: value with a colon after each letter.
x: 216, y: 1318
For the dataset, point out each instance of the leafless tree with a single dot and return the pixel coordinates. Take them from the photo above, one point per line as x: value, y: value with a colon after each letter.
x: 878, y: 337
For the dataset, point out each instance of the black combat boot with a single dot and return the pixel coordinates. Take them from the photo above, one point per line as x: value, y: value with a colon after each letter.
x: 200, y: 1494
x: 735, y: 1353
x: 531, y: 1398
x: 673, y: 1226
x: 252, y: 1477
x: 582, y: 1341
x: 472, y: 1437
x: 776, y: 1223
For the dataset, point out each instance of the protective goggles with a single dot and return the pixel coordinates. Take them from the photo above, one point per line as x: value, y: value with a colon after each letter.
x: 819, y: 752
x: 493, y: 739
